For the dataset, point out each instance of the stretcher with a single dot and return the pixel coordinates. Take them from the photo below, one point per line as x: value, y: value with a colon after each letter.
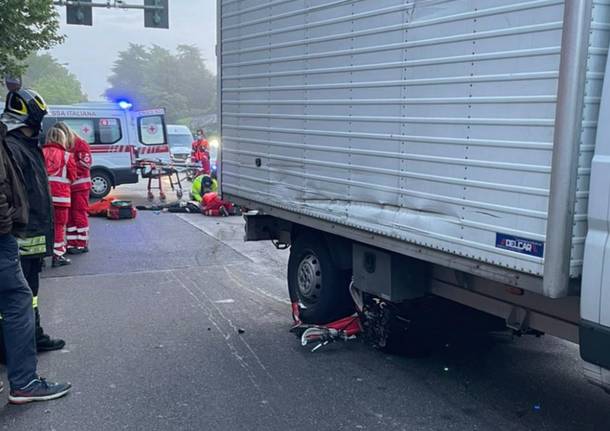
x: 157, y: 170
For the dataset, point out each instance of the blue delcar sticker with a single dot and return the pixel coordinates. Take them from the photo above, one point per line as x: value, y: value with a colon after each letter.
x: 520, y: 245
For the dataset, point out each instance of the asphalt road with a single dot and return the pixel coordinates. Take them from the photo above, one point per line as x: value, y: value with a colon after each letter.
x: 152, y: 318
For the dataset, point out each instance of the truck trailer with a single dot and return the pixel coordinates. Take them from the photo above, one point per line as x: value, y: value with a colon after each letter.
x: 427, y: 148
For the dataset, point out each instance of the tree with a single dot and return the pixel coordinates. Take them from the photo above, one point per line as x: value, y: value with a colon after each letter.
x: 52, y: 80
x: 26, y: 26
x: 155, y: 77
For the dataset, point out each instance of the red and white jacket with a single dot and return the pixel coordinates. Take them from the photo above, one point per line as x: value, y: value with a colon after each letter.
x: 200, y: 150
x: 61, y: 169
x: 82, y: 157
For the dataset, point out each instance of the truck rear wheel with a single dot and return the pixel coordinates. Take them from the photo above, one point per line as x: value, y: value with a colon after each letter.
x: 316, y: 283
x: 101, y: 184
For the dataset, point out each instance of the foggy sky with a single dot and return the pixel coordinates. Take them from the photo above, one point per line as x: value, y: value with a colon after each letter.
x: 90, y: 51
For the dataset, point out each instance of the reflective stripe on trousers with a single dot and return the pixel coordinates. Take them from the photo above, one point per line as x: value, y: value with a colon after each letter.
x: 61, y: 220
x: 60, y: 200
x: 59, y: 249
x: 61, y: 180
x: 77, y: 237
x: 78, y: 223
x: 75, y: 233
x: 32, y: 246
x: 81, y: 181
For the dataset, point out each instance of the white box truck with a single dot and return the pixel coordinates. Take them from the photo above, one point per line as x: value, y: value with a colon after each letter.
x: 451, y: 148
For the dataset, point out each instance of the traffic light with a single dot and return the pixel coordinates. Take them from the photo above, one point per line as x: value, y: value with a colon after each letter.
x: 156, y: 18
x: 79, y: 13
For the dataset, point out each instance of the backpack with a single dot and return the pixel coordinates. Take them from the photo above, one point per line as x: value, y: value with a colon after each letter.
x: 121, y: 210
x: 100, y: 208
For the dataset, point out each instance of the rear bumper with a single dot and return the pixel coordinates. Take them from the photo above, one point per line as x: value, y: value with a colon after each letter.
x: 125, y: 176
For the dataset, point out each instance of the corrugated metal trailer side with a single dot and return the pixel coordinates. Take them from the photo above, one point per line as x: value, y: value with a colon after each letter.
x: 431, y: 124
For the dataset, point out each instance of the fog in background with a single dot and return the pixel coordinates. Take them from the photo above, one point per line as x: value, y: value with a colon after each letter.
x: 89, y: 52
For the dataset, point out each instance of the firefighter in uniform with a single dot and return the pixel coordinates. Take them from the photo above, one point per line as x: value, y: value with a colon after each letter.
x: 18, y: 325
x: 78, y: 222
x: 27, y: 107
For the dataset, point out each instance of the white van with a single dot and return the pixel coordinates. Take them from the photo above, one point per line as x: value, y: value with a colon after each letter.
x: 118, y: 136
x: 180, y: 141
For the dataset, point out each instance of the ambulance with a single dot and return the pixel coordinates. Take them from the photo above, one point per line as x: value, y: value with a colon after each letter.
x: 118, y: 136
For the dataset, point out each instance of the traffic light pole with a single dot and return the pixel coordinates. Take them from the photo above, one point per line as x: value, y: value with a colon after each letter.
x: 80, y: 12
x: 118, y: 4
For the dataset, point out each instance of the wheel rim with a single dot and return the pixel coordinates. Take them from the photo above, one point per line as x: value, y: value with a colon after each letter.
x: 309, y: 278
x: 99, y: 185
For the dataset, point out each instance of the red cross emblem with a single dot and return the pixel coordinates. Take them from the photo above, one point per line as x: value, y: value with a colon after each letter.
x: 152, y: 129
x: 86, y: 130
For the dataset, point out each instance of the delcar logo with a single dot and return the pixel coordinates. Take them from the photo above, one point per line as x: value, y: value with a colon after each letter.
x: 520, y: 245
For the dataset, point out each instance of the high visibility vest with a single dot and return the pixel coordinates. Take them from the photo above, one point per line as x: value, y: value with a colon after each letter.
x: 196, y: 188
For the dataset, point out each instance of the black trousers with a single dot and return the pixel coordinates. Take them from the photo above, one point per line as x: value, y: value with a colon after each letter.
x: 32, y: 266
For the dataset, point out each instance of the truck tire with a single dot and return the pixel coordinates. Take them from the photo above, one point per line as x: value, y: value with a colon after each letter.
x: 101, y: 184
x: 316, y: 283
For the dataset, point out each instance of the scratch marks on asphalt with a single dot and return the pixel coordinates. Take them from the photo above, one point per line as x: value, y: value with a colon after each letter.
x: 254, y: 289
x: 256, y: 372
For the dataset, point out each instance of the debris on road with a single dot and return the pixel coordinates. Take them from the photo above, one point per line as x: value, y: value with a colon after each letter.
x: 225, y: 301
x: 341, y: 330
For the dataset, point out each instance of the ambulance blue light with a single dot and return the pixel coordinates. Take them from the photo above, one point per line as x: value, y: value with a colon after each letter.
x: 125, y: 105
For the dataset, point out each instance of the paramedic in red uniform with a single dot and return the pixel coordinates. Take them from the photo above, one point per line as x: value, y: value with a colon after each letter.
x: 78, y: 220
x: 213, y: 205
x: 200, y: 152
x: 61, y: 169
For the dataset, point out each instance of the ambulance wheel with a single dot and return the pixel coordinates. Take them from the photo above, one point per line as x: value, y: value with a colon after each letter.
x: 316, y: 283
x: 101, y: 184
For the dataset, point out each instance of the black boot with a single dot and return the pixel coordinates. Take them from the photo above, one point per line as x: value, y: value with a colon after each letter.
x: 44, y: 343
x: 78, y: 250
x: 60, y: 261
